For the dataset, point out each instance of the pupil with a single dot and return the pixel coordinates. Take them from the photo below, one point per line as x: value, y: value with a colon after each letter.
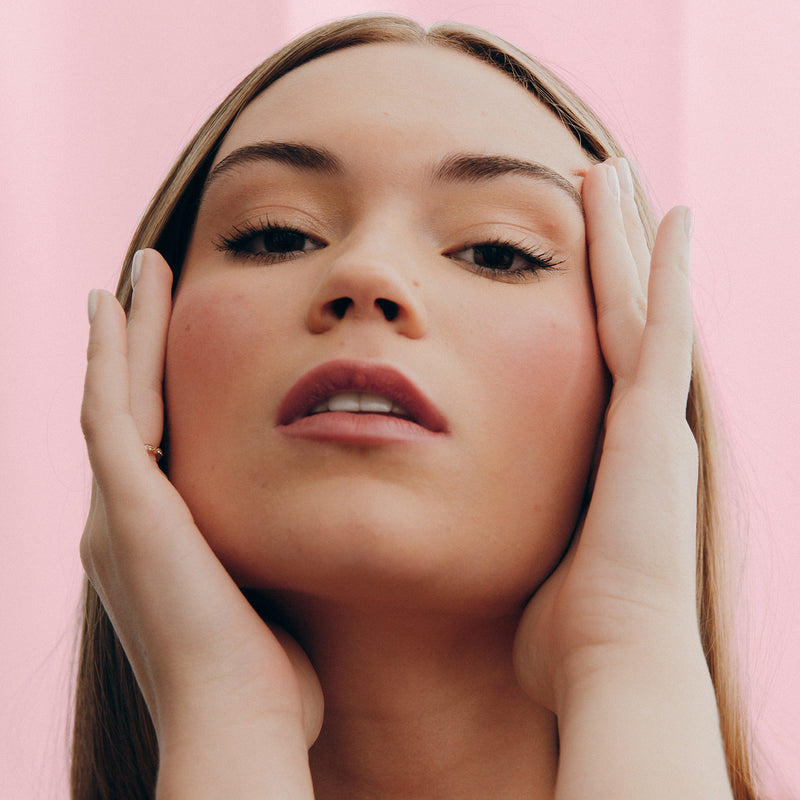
x: 284, y: 241
x: 491, y: 255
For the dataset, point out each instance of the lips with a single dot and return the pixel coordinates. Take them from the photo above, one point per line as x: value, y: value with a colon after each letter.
x: 362, y: 383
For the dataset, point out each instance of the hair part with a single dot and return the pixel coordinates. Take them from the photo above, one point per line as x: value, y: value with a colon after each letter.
x: 114, y: 744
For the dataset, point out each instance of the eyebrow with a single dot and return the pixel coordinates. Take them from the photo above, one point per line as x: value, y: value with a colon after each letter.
x: 300, y: 156
x: 473, y: 168
x: 458, y: 167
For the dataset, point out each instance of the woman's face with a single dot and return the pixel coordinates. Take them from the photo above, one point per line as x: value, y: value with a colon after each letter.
x: 395, y: 229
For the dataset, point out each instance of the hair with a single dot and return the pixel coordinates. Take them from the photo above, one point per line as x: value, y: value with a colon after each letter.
x: 115, y: 751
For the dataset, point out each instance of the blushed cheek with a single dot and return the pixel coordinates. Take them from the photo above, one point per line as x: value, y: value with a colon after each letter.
x: 552, y: 389
x: 210, y: 361
x: 568, y: 363
x: 550, y: 359
x: 542, y: 381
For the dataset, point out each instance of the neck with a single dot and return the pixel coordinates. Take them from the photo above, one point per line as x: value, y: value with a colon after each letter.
x: 422, y: 706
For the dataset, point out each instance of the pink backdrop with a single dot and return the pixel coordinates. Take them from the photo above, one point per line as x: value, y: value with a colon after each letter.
x: 97, y: 100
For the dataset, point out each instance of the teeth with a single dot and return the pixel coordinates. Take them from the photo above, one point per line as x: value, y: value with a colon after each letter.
x: 346, y: 401
x: 374, y: 404
x: 360, y: 402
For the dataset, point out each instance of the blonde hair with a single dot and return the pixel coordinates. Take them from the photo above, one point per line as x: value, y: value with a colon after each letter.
x: 114, y: 744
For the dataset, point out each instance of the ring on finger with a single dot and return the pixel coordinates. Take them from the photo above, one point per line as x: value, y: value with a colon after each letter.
x: 154, y: 451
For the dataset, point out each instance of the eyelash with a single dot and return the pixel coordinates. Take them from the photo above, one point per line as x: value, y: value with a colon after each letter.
x: 537, y: 261
x: 237, y: 242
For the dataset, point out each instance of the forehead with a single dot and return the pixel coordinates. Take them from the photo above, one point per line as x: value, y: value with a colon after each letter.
x: 408, y: 99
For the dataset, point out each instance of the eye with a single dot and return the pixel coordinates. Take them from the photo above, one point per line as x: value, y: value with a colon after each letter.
x: 268, y: 242
x: 505, y: 260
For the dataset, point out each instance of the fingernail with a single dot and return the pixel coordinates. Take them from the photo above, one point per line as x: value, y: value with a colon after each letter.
x: 688, y: 222
x: 624, y: 175
x: 136, y: 266
x: 92, y: 304
x: 613, y: 180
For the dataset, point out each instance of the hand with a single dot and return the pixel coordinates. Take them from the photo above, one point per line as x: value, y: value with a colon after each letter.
x: 217, y: 681
x: 610, y: 642
x: 628, y: 580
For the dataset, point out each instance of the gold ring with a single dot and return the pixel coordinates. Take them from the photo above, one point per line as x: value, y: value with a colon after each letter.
x: 154, y: 451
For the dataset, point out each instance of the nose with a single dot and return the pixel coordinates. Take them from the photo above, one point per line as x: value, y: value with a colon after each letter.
x: 366, y: 287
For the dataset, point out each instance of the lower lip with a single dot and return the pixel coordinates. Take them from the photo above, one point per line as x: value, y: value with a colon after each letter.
x: 365, y: 429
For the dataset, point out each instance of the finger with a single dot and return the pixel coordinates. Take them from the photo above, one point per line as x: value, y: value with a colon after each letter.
x: 665, y: 366
x: 119, y: 462
x: 144, y: 535
x: 113, y: 442
x: 134, y: 500
x: 148, y: 322
x: 174, y: 607
x: 94, y: 523
x: 634, y: 230
x: 620, y: 301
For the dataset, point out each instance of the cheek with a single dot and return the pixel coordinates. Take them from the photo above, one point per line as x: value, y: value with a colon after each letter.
x: 542, y: 362
x: 211, y: 334
x: 221, y: 346
x: 217, y: 340
x: 541, y: 387
x: 553, y: 360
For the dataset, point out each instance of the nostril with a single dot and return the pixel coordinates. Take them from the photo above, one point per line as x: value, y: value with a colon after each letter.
x: 389, y: 307
x: 340, y: 305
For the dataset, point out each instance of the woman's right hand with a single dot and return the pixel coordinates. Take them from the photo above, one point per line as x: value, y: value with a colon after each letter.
x: 235, y: 705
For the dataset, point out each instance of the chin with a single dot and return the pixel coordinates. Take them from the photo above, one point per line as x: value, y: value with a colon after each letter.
x: 390, y: 534
x: 379, y: 549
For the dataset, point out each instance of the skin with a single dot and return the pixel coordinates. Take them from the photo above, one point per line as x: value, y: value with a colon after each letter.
x: 412, y: 598
x: 524, y: 359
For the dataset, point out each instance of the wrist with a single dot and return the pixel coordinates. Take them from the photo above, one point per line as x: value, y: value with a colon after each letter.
x: 265, y: 758
x: 657, y: 656
x: 642, y: 723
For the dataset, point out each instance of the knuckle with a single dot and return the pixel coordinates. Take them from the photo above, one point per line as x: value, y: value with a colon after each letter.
x: 682, y: 263
x: 89, y: 552
x: 86, y: 554
x: 94, y: 348
x: 625, y: 312
x: 147, y: 396
x: 89, y: 419
x: 94, y: 419
x: 101, y: 413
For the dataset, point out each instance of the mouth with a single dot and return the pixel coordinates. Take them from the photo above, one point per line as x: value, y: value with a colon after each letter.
x: 354, y: 395
x: 361, y: 403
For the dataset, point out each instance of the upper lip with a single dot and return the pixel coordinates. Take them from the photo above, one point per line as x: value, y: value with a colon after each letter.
x: 333, y: 377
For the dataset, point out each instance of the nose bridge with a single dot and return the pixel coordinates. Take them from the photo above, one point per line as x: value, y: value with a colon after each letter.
x: 368, y: 278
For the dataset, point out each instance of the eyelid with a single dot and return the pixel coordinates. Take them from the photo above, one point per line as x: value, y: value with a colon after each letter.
x: 249, y: 210
x: 233, y: 243
x: 539, y: 260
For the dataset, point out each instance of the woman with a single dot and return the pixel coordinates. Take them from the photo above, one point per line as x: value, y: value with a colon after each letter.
x: 401, y: 334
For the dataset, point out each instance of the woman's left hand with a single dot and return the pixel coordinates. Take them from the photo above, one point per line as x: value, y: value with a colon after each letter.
x: 610, y: 641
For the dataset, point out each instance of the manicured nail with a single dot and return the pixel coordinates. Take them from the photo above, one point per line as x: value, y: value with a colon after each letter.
x: 613, y: 180
x: 92, y: 304
x: 136, y: 267
x: 688, y: 222
x: 624, y: 175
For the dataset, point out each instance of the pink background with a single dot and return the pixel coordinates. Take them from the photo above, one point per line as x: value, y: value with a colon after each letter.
x: 96, y: 101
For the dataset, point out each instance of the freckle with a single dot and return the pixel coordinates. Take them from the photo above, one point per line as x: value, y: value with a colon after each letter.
x: 188, y: 327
